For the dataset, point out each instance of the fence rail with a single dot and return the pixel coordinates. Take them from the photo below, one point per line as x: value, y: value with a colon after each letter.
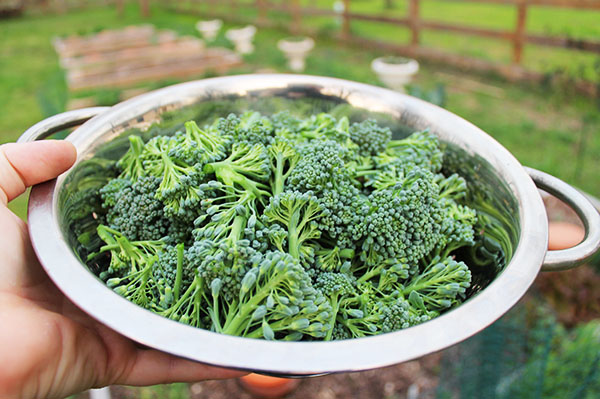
x: 518, y: 37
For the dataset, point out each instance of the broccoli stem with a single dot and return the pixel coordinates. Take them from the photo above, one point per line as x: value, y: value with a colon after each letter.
x: 179, y: 275
x: 131, y: 162
x: 237, y: 228
x: 360, y: 173
x: 426, y: 280
x: 214, y: 314
x: 357, y: 331
x: 226, y: 173
x: 370, y: 274
x: 293, y: 247
x: 191, y: 289
x: 347, y: 253
x: 279, y: 178
x: 235, y: 322
x: 276, y: 326
x: 335, y: 307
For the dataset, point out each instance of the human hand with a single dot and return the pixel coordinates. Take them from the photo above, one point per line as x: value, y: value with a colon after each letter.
x: 48, y: 347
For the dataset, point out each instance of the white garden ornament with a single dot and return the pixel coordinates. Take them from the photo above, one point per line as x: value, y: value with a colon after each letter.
x: 242, y: 39
x: 209, y: 29
x: 296, y: 49
x: 395, y: 72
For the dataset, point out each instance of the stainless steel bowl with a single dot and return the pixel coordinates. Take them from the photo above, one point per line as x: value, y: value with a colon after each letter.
x: 488, y: 166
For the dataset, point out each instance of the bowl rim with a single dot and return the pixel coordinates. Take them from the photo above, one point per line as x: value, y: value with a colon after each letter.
x: 291, y: 358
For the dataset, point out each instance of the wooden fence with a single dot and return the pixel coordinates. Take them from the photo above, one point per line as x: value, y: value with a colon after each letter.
x: 518, y: 37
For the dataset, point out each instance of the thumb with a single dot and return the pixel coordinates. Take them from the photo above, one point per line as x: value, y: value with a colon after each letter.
x: 25, y: 164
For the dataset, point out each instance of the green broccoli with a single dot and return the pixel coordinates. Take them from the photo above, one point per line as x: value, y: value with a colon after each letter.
x: 279, y: 227
x: 371, y: 138
x: 298, y: 213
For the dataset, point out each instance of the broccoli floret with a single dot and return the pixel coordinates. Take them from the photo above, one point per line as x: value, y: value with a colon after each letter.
x: 325, y: 126
x: 283, y: 158
x: 173, y: 268
x: 250, y: 128
x: 298, y: 213
x: 333, y: 259
x: 371, y: 138
x: 190, y: 306
x: 342, y: 217
x: 211, y: 145
x: 420, y: 148
x: 275, y: 300
x: 453, y: 187
x: 385, y: 274
x: 456, y: 228
x: 177, y: 162
x: 228, y: 262
x: 133, y: 210
x: 246, y: 166
x: 129, y: 272
x: 321, y: 169
x: 337, y: 287
x: 254, y: 129
x: 402, y: 222
x: 320, y: 164
x: 178, y: 180
x: 285, y: 124
x: 131, y: 163
x: 399, y: 314
x: 440, y: 285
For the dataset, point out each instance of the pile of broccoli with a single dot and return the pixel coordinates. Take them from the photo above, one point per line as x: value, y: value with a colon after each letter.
x: 286, y: 228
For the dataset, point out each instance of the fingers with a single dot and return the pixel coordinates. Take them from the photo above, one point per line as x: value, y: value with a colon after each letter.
x: 153, y: 367
x: 19, y: 268
x: 26, y: 164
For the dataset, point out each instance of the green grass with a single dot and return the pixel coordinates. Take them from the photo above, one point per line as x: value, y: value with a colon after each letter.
x: 543, y: 127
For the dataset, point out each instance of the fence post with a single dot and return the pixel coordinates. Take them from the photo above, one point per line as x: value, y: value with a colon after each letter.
x: 120, y: 7
x: 262, y: 12
x: 346, y: 21
x: 145, y: 8
x: 62, y: 6
x: 414, y: 23
x: 519, y: 32
x: 296, y: 16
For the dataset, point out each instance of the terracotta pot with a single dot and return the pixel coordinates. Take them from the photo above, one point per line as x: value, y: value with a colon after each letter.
x: 264, y: 386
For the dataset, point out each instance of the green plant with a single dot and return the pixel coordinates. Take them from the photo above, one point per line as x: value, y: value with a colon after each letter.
x: 436, y: 96
x: 520, y: 357
x: 107, y: 97
x: 52, y: 95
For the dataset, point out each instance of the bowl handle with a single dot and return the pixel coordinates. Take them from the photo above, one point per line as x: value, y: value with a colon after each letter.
x: 59, y: 122
x: 571, y: 257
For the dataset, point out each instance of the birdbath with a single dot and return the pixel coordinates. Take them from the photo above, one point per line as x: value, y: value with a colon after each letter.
x: 395, y: 72
x: 209, y: 29
x: 296, y: 49
x: 242, y: 39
